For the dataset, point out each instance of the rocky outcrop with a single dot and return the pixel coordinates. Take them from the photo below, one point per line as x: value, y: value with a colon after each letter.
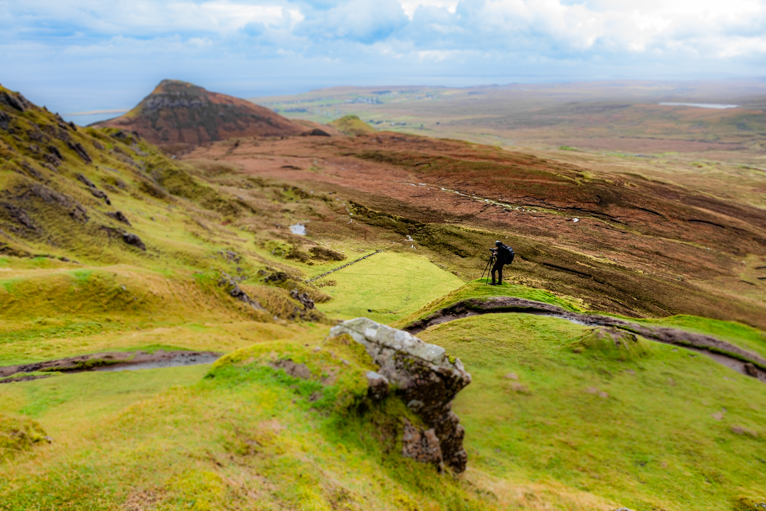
x: 426, y: 379
x: 93, y: 189
x: 133, y: 240
x: 231, y: 285
x: 119, y: 216
x: 14, y: 100
x: 80, y: 151
x: 303, y: 298
x: 5, y: 120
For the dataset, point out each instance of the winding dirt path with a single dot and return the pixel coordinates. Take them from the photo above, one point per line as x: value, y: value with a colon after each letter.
x: 734, y: 357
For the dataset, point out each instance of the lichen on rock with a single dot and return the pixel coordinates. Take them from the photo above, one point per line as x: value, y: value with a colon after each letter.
x: 427, y: 380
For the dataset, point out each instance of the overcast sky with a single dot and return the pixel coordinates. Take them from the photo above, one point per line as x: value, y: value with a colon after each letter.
x: 94, y: 54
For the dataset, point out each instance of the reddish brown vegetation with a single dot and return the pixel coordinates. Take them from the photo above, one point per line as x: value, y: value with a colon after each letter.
x: 182, y: 113
x: 639, y: 246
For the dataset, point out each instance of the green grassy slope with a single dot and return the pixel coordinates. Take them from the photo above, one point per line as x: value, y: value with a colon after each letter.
x: 654, y: 429
x: 583, y: 426
x: 579, y: 425
x: 741, y: 335
x: 385, y: 287
x: 478, y: 289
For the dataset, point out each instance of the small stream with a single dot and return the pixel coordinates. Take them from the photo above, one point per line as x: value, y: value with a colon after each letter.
x: 107, y: 362
x: 182, y: 358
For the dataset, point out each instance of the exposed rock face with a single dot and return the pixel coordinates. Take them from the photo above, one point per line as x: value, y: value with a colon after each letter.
x: 80, y: 150
x: 378, y: 388
x: 14, y: 100
x: 232, y: 287
x: 133, y: 240
x: 427, y: 379
x: 119, y: 216
x: 181, y: 113
x: 5, y: 120
x: 422, y: 446
x: 303, y: 298
x: 93, y: 189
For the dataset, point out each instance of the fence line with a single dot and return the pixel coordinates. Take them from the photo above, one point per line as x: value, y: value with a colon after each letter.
x: 344, y: 266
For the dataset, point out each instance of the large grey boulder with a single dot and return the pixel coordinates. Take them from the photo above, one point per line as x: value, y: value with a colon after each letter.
x: 426, y: 378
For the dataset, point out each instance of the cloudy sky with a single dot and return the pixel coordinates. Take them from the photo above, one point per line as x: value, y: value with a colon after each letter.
x: 77, y: 55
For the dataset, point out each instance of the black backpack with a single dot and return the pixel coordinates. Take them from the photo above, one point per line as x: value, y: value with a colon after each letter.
x: 505, y: 254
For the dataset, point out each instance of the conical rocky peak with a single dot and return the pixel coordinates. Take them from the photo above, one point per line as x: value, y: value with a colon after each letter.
x: 180, y: 113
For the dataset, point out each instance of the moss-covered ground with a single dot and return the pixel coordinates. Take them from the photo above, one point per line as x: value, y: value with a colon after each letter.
x: 653, y: 428
x: 554, y: 417
x: 479, y: 289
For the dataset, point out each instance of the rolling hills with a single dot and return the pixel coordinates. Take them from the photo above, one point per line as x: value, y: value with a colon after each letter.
x: 253, y: 247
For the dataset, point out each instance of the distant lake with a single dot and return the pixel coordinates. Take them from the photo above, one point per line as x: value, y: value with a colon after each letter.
x: 717, y: 106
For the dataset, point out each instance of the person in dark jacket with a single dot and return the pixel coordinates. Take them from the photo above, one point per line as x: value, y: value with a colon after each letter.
x: 503, y: 255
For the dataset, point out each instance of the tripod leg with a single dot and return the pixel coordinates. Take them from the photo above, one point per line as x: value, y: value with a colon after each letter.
x: 486, y: 268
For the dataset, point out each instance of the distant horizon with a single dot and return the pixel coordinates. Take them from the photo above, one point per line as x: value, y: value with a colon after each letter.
x: 89, y: 116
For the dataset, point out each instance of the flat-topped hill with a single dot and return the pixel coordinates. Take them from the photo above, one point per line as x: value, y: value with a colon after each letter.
x: 178, y: 112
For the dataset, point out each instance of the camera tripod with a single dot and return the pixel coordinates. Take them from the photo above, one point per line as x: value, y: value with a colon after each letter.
x: 490, y: 263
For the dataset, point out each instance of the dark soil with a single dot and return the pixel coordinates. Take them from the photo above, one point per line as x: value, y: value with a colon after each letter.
x: 113, y: 361
x: 26, y: 377
x: 731, y: 356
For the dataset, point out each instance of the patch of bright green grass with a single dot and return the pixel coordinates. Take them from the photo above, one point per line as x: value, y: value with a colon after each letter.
x: 62, y: 403
x: 386, y: 287
x: 663, y: 428
x: 578, y: 427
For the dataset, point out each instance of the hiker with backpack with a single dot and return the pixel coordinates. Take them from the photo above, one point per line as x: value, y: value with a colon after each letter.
x: 503, y: 255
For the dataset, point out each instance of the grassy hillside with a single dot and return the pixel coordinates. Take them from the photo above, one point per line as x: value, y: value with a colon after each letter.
x: 385, y: 287
x: 554, y: 418
x: 352, y: 125
x: 211, y: 254
x: 650, y: 426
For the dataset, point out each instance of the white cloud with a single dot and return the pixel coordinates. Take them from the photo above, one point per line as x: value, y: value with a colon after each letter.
x: 140, y: 17
x: 538, y: 25
x: 410, y: 6
x: 561, y: 38
x: 365, y: 21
